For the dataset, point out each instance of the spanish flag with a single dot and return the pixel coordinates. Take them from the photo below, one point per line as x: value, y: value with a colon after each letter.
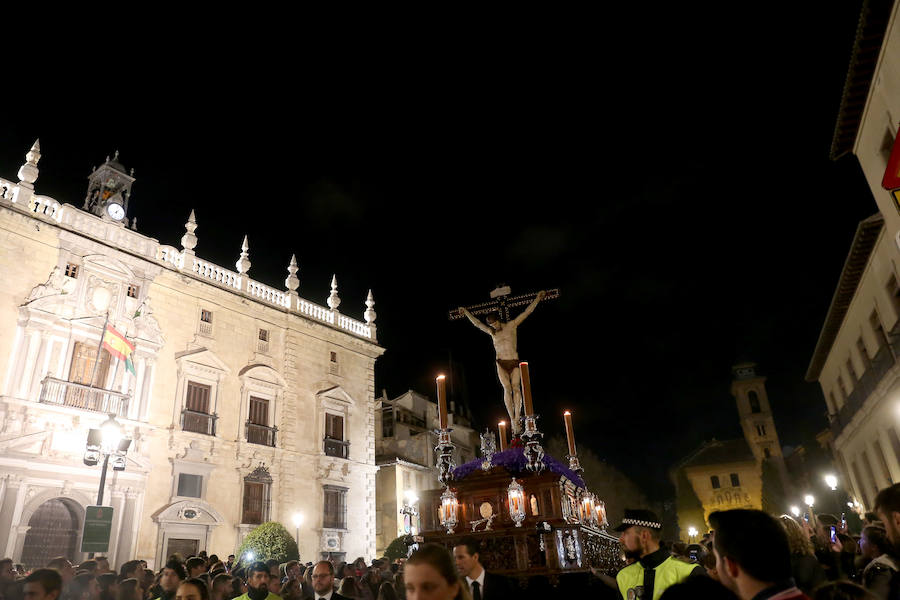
x: 116, y: 344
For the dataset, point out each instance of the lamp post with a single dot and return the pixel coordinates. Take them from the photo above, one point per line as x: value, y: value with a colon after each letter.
x: 298, y: 520
x: 692, y: 533
x: 109, y: 440
x: 795, y: 510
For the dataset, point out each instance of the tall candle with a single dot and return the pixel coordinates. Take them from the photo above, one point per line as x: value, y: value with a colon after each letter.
x: 502, y: 427
x: 570, y: 433
x: 442, y: 400
x: 526, y: 388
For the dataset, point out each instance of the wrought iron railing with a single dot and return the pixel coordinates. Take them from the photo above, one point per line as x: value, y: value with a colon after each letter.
x: 260, y: 434
x: 78, y: 395
x: 337, y: 448
x: 198, y: 422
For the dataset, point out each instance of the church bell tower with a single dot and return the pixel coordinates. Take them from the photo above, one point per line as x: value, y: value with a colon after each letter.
x: 749, y: 391
x: 109, y: 188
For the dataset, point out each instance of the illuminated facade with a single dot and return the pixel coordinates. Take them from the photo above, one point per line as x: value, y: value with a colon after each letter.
x: 248, y: 402
x: 856, y: 358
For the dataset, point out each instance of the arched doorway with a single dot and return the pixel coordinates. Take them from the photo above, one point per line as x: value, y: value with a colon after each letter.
x: 53, y: 531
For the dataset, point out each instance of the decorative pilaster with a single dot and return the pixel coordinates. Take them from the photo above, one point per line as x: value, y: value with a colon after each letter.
x: 189, y: 240
x: 243, y: 263
x: 333, y: 299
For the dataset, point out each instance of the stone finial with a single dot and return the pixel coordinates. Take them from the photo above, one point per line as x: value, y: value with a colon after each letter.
x: 292, y: 282
x: 333, y: 300
x: 189, y: 240
x: 370, y: 313
x: 134, y: 224
x: 243, y: 263
x: 28, y: 173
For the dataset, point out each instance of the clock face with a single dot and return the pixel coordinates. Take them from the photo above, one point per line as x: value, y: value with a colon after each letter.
x: 115, y: 211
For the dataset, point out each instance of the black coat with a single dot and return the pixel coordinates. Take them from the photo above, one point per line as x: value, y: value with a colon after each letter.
x: 496, y: 587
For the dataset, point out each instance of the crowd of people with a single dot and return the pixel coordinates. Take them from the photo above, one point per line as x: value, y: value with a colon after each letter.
x: 748, y: 554
x: 751, y: 555
x: 205, y: 577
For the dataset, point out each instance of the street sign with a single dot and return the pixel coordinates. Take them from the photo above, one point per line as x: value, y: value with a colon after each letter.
x: 97, y: 527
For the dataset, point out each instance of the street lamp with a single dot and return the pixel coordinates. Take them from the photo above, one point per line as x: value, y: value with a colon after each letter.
x: 109, y: 441
x: 409, y: 512
x: 692, y: 533
x: 795, y: 510
x: 831, y: 481
x: 809, y: 499
x: 298, y: 520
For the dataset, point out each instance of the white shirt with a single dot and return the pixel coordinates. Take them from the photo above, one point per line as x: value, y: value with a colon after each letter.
x: 479, y: 579
x: 325, y: 597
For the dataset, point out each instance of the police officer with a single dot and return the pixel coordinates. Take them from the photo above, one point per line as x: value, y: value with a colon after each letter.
x: 655, y: 570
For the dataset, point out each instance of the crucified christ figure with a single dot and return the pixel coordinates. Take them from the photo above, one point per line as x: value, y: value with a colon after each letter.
x: 504, y: 338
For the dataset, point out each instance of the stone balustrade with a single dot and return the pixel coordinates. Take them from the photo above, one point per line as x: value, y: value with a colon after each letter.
x: 206, y: 270
x: 46, y: 207
x: 267, y: 294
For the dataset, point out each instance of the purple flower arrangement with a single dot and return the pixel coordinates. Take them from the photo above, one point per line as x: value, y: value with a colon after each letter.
x: 514, y: 461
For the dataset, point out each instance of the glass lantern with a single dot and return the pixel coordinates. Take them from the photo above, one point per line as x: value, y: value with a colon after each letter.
x: 516, y: 502
x: 449, y: 510
x: 601, y: 513
x: 587, y: 508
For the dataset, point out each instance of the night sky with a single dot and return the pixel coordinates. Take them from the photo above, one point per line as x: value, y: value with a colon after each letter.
x: 668, y: 172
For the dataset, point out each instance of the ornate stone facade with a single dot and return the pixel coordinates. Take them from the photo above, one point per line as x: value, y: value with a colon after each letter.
x: 231, y: 376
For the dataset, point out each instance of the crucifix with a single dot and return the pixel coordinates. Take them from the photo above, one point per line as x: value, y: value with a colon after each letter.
x: 502, y: 330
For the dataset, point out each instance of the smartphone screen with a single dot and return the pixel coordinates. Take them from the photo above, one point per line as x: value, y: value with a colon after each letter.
x: 833, y: 533
x: 806, y: 517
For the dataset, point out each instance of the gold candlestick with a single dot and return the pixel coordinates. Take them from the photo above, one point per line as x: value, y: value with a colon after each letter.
x: 526, y: 388
x: 442, y: 400
x: 570, y: 433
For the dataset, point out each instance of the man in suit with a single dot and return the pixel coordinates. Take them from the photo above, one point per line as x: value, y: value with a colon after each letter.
x: 482, y: 585
x: 323, y: 582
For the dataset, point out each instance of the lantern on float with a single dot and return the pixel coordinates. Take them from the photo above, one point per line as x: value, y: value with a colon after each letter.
x: 449, y: 510
x: 587, y: 508
x: 516, y: 495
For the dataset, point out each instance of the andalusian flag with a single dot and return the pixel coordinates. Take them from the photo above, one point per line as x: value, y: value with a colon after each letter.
x: 116, y: 344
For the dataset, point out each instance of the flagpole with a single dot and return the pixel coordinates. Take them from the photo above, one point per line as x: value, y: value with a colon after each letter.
x: 99, y: 348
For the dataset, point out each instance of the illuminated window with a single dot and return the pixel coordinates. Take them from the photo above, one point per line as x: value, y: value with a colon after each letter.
x: 206, y: 316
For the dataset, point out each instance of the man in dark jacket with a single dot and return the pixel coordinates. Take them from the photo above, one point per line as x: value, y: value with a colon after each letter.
x: 482, y: 585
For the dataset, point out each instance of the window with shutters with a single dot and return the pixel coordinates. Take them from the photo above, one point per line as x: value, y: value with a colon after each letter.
x: 196, y: 415
x: 335, y: 444
x: 190, y: 485
x: 735, y: 481
x: 714, y: 480
x: 258, y: 429
x: 132, y: 291
x: 205, y: 327
x: 257, y: 489
x: 72, y: 270
x: 335, y: 509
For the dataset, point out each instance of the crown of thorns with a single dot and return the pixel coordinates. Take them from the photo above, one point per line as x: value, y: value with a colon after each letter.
x: 639, y: 523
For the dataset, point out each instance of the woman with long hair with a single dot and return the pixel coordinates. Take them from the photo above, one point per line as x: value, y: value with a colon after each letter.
x: 808, y: 573
x: 430, y: 574
x: 877, y: 575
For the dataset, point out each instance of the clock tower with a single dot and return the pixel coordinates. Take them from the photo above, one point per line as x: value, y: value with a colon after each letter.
x: 109, y: 187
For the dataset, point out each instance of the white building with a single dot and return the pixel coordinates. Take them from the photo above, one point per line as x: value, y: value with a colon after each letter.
x: 249, y: 403
x: 856, y: 358
x: 404, y: 452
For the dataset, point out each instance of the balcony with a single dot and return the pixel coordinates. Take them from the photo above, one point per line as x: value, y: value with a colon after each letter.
x: 198, y: 422
x: 260, y: 434
x: 877, y: 369
x: 336, y: 448
x: 78, y: 395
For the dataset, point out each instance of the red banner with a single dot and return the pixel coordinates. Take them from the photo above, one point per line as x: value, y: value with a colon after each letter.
x: 891, y: 180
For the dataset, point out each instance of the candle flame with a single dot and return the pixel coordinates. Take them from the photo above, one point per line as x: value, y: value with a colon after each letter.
x: 439, y: 377
x: 524, y: 362
x: 502, y: 423
x: 567, y: 413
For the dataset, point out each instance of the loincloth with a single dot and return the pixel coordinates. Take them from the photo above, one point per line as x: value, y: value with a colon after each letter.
x: 508, y: 364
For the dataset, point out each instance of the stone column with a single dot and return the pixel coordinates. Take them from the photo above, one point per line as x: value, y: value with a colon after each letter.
x: 40, y: 365
x: 24, y: 381
x: 134, y: 408
x: 147, y: 388
x: 14, y: 489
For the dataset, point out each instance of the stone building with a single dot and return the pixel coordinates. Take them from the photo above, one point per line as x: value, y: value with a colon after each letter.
x: 248, y: 402
x: 404, y: 452
x: 727, y: 474
x: 856, y: 357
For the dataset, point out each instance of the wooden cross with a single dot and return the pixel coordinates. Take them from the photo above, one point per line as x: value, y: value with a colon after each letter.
x: 501, y: 303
